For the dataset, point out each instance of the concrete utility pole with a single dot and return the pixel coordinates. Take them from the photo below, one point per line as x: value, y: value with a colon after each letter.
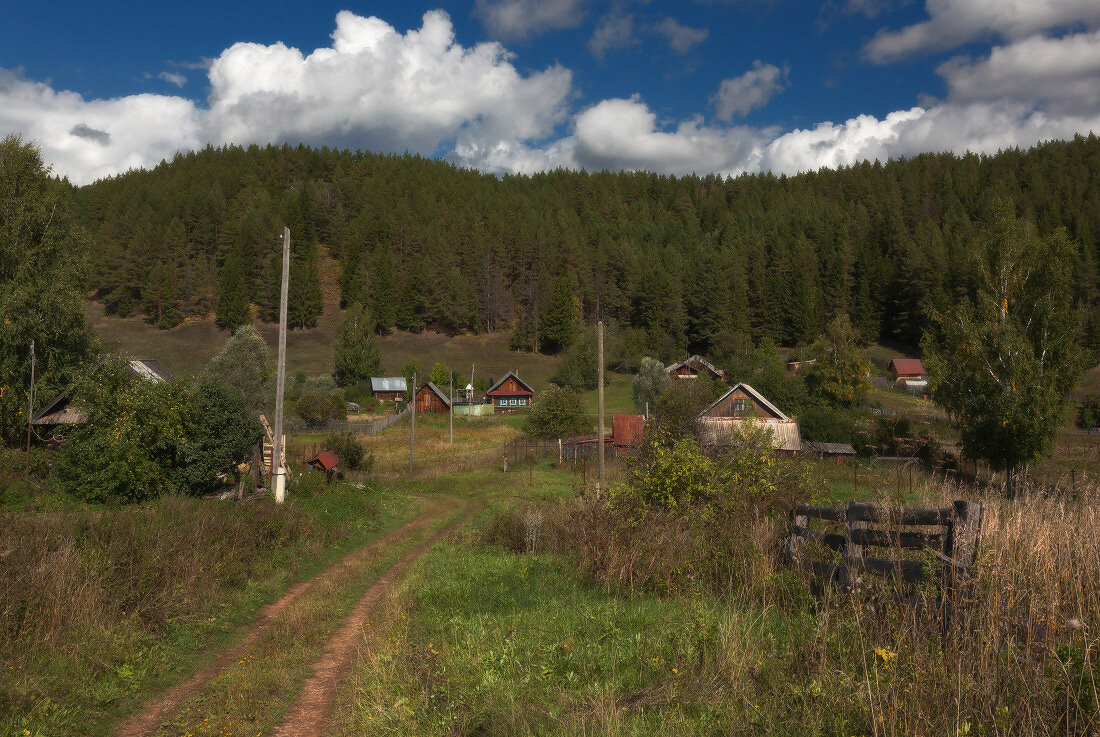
x: 599, y: 407
x: 277, y: 450
x: 412, y: 423
x: 30, y: 409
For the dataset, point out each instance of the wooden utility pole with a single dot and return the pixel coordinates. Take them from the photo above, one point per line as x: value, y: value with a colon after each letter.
x: 412, y: 423
x: 599, y: 407
x: 30, y: 409
x: 452, y: 408
x: 277, y: 449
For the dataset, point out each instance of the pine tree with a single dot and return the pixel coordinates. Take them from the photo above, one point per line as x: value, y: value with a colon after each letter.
x: 558, y: 324
x: 304, y: 302
x: 232, y: 310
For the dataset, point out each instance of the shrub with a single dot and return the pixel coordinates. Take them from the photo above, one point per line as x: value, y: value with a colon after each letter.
x: 680, y: 402
x: 556, y: 413
x: 143, y: 440
x: 1089, y: 414
x: 826, y: 425
x: 349, y: 450
x: 648, y: 384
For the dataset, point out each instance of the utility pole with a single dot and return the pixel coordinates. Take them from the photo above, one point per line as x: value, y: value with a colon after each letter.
x: 452, y: 407
x: 277, y: 450
x: 30, y: 410
x: 599, y: 407
x: 412, y: 424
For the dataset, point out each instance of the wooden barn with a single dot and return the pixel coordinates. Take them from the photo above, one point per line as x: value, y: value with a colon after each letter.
x: 431, y: 399
x: 743, y: 404
x: 388, y: 388
x: 510, y: 394
x: 694, y: 366
x: 907, y: 369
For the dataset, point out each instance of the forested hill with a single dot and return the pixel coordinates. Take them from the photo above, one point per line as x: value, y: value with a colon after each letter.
x: 692, y: 261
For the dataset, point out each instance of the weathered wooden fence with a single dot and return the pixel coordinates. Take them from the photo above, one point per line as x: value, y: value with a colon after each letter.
x: 917, y: 554
x: 521, y: 451
x: 362, y: 427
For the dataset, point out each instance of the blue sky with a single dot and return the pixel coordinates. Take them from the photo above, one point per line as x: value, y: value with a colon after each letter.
x: 721, y: 86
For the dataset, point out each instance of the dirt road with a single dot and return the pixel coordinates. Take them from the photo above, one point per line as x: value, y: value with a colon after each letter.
x: 313, y: 708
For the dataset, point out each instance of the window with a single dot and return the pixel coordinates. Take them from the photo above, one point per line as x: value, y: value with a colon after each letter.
x: 740, y: 404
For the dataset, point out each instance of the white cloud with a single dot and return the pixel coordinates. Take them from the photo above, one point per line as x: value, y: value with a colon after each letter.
x: 952, y: 23
x: 519, y: 19
x: 751, y: 90
x: 173, y: 78
x: 681, y: 38
x: 1062, y: 72
x: 614, y: 31
x: 374, y: 89
x: 90, y: 139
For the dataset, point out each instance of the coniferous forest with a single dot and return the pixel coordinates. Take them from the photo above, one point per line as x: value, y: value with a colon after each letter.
x: 689, y: 262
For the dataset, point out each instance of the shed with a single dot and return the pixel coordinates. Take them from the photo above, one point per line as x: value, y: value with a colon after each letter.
x: 431, y: 399
x: 510, y: 393
x: 60, y: 412
x: 627, y: 430
x: 902, y: 369
x: 839, y: 452
x: 324, y: 461
x: 693, y: 366
x: 388, y: 388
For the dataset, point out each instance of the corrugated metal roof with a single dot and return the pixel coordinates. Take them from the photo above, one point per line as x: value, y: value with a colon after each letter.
x: 836, y: 449
x: 325, y: 461
x: 388, y: 384
x: 719, y: 431
x: 150, y: 369
x: 627, y: 429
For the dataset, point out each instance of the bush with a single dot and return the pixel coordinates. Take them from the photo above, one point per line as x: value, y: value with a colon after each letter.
x: 826, y: 425
x: 143, y: 440
x: 556, y: 413
x: 350, y: 451
x: 678, y: 405
x: 1089, y: 414
x: 579, y: 370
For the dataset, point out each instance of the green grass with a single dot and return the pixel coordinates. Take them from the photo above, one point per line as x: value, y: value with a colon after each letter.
x: 99, y: 662
x: 187, y: 348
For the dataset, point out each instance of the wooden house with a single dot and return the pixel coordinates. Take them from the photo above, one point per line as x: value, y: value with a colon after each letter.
x: 60, y: 410
x: 431, y: 399
x: 510, y: 394
x: 388, y: 388
x: 907, y: 369
x: 743, y: 404
x: 694, y: 366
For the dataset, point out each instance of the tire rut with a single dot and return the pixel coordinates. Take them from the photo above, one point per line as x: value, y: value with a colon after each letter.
x: 157, y: 711
x: 312, y: 712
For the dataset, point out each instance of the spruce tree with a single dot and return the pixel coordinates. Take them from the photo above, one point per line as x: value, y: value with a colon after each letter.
x: 558, y: 325
x: 357, y: 354
x: 233, y: 291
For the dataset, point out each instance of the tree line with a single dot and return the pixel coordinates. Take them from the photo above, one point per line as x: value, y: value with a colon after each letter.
x: 692, y: 262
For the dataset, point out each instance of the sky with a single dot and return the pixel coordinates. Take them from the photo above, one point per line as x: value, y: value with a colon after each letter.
x: 522, y: 86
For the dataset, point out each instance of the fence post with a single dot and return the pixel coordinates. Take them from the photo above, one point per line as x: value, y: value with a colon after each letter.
x: 852, y: 552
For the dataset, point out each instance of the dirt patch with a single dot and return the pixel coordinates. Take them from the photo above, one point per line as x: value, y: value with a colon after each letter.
x: 155, y: 712
x: 312, y: 713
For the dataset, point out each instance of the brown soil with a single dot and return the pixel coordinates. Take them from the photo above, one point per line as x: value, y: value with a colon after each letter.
x: 311, y: 714
x: 155, y: 712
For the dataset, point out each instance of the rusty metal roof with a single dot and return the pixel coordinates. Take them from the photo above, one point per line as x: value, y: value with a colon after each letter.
x: 907, y: 365
x: 325, y: 461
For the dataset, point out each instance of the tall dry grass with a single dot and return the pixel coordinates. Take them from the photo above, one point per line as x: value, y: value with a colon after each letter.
x: 1019, y: 656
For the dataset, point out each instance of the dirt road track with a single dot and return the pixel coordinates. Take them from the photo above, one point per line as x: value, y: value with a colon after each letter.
x: 154, y: 713
x: 312, y: 713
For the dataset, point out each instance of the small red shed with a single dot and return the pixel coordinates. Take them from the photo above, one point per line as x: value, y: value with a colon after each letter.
x: 325, y: 461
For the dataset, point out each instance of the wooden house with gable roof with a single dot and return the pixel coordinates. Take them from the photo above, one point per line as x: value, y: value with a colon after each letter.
x: 743, y: 404
x: 694, y: 366
x: 509, y: 394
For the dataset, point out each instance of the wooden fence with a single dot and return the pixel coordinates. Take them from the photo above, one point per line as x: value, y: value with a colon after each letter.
x: 945, y: 554
x: 371, y: 427
x: 521, y: 451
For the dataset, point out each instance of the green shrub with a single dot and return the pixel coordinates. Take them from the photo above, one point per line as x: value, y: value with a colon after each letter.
x: 826, y: 425
x: 350, y: 451
x: 556, y: 413
x: 1089, y: 414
